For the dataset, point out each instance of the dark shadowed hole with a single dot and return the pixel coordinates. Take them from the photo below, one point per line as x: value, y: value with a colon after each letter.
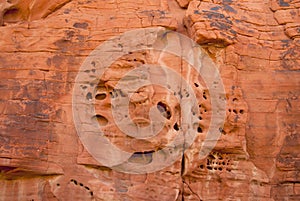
x: 101, y: 96
x: 199, y: 129
x: 176, y: 127
x: 10, y: 12
x: 164, y: 110
x: 101, y: 120
x: 141, y: 157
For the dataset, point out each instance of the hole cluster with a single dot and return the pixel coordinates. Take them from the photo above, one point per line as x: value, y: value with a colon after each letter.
x: 236, y: 111
x: 101, y: 95
x: 217, y: 162
x: 82, y: 185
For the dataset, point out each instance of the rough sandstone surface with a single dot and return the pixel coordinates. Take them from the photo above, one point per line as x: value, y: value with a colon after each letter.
x: 254, y: 43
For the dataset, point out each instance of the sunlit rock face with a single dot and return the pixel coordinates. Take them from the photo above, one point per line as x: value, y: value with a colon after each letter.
x: 256, y: 48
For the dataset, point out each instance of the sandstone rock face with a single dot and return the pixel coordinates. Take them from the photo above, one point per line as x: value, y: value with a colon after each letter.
x: 254, y: 44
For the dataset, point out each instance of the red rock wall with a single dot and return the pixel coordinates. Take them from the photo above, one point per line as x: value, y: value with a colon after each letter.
x: 255, y: 45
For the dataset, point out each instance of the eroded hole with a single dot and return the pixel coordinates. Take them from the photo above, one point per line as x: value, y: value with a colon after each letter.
x: 141, y: 157
x: 199, y: 129
x: 89, y: 96
x: 74, y: 181
x: 176, y: 127
x: 164, y: 110
x: 81, y: 185
x: 218, y: 161
x: 11, y: 15
x: 100, y: 96
x: 101, y: 120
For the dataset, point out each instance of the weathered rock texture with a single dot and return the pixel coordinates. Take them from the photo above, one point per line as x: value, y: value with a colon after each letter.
x: 256, y: 46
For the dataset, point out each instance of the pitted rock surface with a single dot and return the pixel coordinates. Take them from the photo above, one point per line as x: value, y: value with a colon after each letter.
x: 255, y: 45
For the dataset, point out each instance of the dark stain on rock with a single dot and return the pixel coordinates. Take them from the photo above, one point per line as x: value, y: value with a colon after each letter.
x: 57, y: 61
x: 229, y: 9
x: 83, y: 25
x: 80, y: 38
x: 69, y: 34
x: 282, y: 3
x: 293, y: 13
x: 63, y: 44
x: 67, y: 11
x: 216, y: 15
x: 227, y: 1
x: 232, y: 31
x: 196, y: 12
x: 220, y: 25
x: 213, y: 15
x: 153, y: 13
x: 48, y: 62
x: 216, y: 8
x: 289, y: 58
x: 285, y: 43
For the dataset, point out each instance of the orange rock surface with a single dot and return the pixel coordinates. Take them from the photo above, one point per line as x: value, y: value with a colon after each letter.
x: 254, y: 44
